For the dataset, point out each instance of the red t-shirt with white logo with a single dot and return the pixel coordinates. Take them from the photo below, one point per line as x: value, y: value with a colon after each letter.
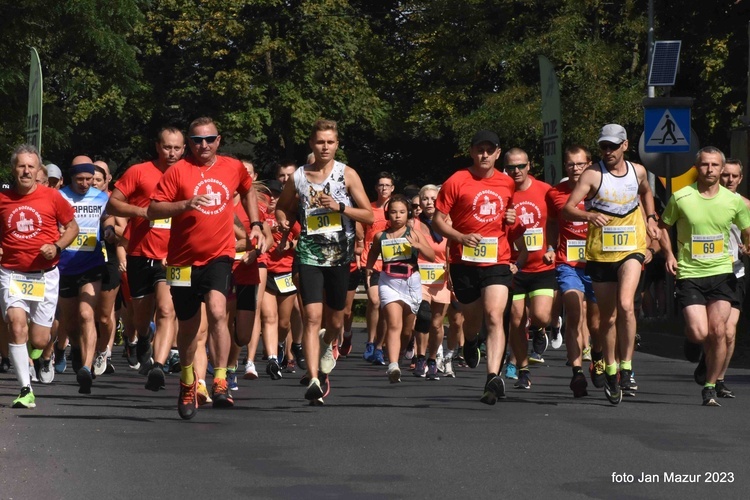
x: 201, y: 235
x: 477, y: 205
x: 28, y: 222
x: 531, y: 211
x: 147, y: 238
x: 573, y: 254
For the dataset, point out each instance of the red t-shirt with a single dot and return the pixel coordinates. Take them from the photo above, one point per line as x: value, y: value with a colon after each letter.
x: 147, y: 238
x: 378, y: 225
x: 245, y: 274
x: 477, y: 205
x: 568, y: 231
x: 276, y: 263
x: 531, y: 211
x: 28, y: 222
x: 206, y: 233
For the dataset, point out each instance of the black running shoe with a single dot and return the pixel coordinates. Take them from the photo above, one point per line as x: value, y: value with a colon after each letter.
x: 187, y: 401
x: 626, y: 383
x: 471, y: 352
x: 612, y: 389
x: 299, y: 356
x: 156, y: 381
x: 539, y: 341
x: 131, y: 356
x: 273, y: 369
x: 722, y: 390
x: 85, y: 380
x: 578, y: 385
x: 709, y: 397
x: 143, y: 350
x: 700, y: 371
x: 494, y: 389
x: 524, y: 380
x: 596, y: 369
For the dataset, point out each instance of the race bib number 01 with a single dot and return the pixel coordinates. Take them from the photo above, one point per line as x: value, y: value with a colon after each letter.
x: 395, y: 249
x: 485, y: 251
x: 432, y: 274
x: 705, y: 247
x: 576, y: 251
x: 618, y: 238
x: 161, y: 223
x: 324, y: 222
x: 534, y: 238
x: 84, y: 242
x: 26, y: 288
x: 178, y: 276
x: 284, y: 283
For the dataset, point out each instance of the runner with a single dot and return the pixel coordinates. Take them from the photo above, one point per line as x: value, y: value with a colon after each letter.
x: 196, y: 193
x: 321, y: 196
x: 706, y: 286
x: 31, y: 245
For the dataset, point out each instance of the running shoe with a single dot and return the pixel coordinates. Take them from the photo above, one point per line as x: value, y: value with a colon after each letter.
x: 250, y: 372
x: 637, y: 342
x: 187, y: 401
x: 471, y: 352
x: 625, y: 383
x: 60, y: 362
x: 377, y: 358
x: 281, y: 350
x: 612, y: 389
x: 722, y: 390
x: 143, y: 349
x: 394, y: 373
x: 314, y: 394
x: 555, y: 337
x: 5, y: 364
x: 327, y: 361
x: 232, y: 380
x: 47, y: 372
x: 536, y: 358
x: 369, y: 352
x: 202, y: 394
x: 85, y: 380
x: 25, y: 399
x: 410, y: 350
x: 700, y: 371
x: 273, y: 369
x: 539, y: 341
x: 511, y: 371
x: 439, y: 361
x: 220, y: 394
x: 290, y: 367
x: 299, y: 356
x: 346, y: 346
x: 494, y: 389
x: 100, y: 363
x: 596, y: 370
x: 587, y: 353
x: 633, y: 383
x: 448, y: 368
x: 692, y: 351
x: 578, y: 385
x: 458, y: 358
x: 420, y: 370
x: 33, y: 369
x: 432, y: 370
x: 172, y: 365
x: 524, y: 380
x: 132, y: 357
x: 155, y: 380
x: 709, y: 397
x: 110, y: 369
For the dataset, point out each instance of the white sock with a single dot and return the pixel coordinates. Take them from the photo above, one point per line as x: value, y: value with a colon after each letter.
x: 19, y: 356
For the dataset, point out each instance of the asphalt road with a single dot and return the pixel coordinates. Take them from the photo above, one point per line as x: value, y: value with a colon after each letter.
x: 416, y: 439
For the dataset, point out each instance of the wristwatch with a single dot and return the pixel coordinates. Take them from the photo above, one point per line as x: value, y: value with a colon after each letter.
x: 653, y: 216
x: 342, y: 207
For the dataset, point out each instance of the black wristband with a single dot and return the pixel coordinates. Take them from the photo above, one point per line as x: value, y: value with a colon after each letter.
x: 653, y: 252
x: 59, y: 250
x: 342, y: 207
x: 256, y: 223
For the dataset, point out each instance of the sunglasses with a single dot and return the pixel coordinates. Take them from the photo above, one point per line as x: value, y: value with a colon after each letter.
x: 415, y: 205
x: 198, y: 139
x: 511, y: 168
x: 608, y: 146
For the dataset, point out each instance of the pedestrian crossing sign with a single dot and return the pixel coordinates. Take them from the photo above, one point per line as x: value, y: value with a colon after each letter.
x: 667, y: 130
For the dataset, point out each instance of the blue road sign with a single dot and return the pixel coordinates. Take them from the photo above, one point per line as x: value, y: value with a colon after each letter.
x: 667, y: 130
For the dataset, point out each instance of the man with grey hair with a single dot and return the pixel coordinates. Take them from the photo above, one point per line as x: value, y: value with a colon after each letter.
x: 29, y: 278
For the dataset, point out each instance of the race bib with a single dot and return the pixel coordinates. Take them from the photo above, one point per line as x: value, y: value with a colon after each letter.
x: 618, y: 238
x: 179, y: 276
x: 284, y: 283
x: 104, y: 251
x: 432, y: 274
x: 534, y: 238
x: 576, y: 251
x: 26, y: 288
x: 323, y: 222
x: 485, y: 251
x: 84, y: 242
x: 395, y: 249
x: 705, y: 247
x: 161, y: 223
x: 239, y: 255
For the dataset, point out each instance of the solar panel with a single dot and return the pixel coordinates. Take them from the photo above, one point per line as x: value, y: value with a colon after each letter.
x: 664, y: 63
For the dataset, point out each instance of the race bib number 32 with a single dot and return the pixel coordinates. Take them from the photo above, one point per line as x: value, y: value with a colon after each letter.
x: 31, y: 289
x: 485, y: 251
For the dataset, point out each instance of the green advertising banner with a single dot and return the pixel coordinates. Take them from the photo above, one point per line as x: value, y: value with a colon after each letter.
x: 34, y: 110
x: 552, y: 136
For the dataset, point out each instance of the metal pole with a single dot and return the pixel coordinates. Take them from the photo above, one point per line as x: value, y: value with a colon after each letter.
x: 651, y: 89
x: 669, y: 285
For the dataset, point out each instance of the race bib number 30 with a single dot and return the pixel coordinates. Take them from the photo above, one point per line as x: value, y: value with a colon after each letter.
x: 432, y: 274
x: 84, y: 242
x: 31, y: 289
x: 395, y: 249
x: 284, y: 283
x: 325, y: 222
x: 618, y: 238
x: 534, y: 238
x: 178, y: 276
x: 705, y: 247
x: 576, y: 251
x: 485, y: 251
